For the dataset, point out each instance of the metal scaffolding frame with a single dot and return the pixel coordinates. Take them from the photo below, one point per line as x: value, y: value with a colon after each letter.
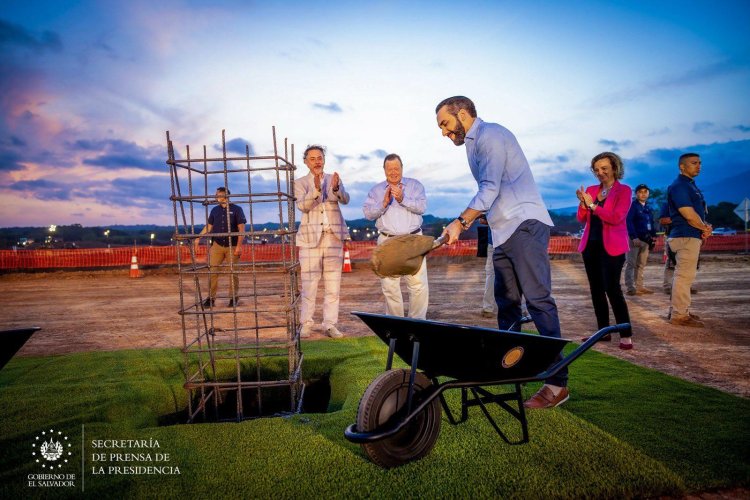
x: 237, y: 351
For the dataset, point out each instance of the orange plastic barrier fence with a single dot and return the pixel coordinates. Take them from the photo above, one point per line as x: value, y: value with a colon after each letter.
x: 358, y: 250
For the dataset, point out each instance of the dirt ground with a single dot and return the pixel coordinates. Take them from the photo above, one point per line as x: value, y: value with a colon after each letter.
x: 106, y: 310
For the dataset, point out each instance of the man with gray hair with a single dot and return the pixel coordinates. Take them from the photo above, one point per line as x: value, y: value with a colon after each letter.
x: 322, y: 232
x: 396, y: 205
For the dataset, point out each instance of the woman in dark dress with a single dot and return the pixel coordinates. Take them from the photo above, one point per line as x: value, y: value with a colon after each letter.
x: 603, y: 209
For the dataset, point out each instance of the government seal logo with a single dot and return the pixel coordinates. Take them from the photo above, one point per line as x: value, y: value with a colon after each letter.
x: 51, y: 449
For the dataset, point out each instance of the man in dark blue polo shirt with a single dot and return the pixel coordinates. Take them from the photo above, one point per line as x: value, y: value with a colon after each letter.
x: 224, y: 218
x: 641, y: 233
x: 687, y: 209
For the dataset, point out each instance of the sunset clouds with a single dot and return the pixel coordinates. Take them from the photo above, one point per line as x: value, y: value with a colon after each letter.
x: 88, y: 90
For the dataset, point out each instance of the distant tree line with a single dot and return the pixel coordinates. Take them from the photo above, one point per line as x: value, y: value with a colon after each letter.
x: 720, y: 215
x: 78, y: 236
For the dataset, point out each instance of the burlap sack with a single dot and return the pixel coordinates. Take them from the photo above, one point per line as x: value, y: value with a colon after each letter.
x: 400, y: 255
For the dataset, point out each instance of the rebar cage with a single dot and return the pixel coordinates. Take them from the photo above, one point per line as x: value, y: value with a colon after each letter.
x: 243, y: 343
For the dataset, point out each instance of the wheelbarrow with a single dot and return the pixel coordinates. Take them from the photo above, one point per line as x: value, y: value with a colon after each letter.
x: 399, y: 415
x: 12, y: 340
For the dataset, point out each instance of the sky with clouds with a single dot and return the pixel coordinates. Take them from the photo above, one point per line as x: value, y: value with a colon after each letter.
x: 89, y: 88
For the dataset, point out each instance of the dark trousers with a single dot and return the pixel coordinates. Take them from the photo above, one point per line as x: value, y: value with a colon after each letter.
x: 522, y: 269
x: 603, y: 271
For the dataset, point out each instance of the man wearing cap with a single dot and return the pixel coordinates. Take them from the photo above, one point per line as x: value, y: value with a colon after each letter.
x: 320, y: 238
x: 396, y: 205
x: 640, y: 222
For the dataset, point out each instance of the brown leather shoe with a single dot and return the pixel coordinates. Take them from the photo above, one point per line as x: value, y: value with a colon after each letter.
x: 643, y: 291
x: 686, y: 321
x: 630, y: 292
x: 545, y: 399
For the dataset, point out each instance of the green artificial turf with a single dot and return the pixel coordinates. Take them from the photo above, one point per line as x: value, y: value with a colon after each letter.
x: 626, y: 432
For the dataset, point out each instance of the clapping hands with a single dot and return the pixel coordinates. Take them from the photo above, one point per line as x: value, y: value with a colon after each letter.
x: 583, y: 196
x: 396, y: 192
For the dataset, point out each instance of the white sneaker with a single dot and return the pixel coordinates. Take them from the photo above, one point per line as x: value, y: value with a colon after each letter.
x: 333, y: 332
x: 305, y: 331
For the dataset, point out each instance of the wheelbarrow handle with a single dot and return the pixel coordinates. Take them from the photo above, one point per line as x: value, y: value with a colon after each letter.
x: 439, y: 241
x: 593, y: 339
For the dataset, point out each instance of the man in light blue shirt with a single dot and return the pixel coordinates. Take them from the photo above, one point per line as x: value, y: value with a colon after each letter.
x: 396, y: 205
x: 519, y: 223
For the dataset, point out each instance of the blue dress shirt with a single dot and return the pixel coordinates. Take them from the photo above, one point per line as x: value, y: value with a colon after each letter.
x: 397, y: 218
x: 507, y: 191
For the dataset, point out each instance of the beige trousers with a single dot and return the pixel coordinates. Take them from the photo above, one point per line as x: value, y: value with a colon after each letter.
x: 668, y: 268
x: 324, y: 261
x: 217, y: 256
x: 687, y: 251
x: 635, y: 264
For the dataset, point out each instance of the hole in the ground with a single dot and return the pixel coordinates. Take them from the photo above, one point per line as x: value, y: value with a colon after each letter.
x: 275, y: 401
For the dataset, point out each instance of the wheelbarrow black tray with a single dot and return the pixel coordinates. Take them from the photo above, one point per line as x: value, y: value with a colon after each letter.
x: 12, y: 340
x: 399, y: 421
x: 466, y: 352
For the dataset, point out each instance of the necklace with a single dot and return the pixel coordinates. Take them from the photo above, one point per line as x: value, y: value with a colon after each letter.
x: 604, y: 191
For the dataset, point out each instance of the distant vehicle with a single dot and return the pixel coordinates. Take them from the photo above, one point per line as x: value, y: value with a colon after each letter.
x: 724, y: 231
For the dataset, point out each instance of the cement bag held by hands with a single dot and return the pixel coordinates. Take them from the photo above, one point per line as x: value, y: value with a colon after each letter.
x: 401, y: 255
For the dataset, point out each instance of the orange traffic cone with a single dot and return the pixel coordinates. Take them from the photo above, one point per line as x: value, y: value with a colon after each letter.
x: 134, y: 271
x: 347, y: 262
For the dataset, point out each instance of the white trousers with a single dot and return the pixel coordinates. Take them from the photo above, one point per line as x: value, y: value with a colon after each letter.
x: 324, y: 261
x: 419, y: 293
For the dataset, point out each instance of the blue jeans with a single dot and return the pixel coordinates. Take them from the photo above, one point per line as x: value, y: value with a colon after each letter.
x: 522, y: 269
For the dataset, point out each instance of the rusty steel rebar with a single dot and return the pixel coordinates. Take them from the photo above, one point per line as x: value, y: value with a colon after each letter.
x: 230, y: 348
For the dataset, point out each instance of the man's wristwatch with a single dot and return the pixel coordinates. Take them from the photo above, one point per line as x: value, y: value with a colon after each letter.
x: 591, y: 205
x: 463, y: 222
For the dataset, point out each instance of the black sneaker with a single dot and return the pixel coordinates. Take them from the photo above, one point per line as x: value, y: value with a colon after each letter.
x: 209, y: 302
x: 234, y: 302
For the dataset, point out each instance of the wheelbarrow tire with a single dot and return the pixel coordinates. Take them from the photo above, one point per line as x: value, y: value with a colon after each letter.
x: 384, y: 397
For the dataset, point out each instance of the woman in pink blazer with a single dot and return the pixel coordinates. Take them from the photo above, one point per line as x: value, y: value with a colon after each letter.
x: 604, y: 208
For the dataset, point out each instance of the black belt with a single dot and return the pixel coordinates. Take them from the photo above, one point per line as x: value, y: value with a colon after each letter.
x: 417, y: 230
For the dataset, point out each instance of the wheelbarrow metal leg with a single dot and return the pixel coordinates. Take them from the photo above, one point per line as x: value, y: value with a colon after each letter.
x: 391, y: 349
x: 412, y: 375
x: 482, y: 396
x: 464, y: 404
